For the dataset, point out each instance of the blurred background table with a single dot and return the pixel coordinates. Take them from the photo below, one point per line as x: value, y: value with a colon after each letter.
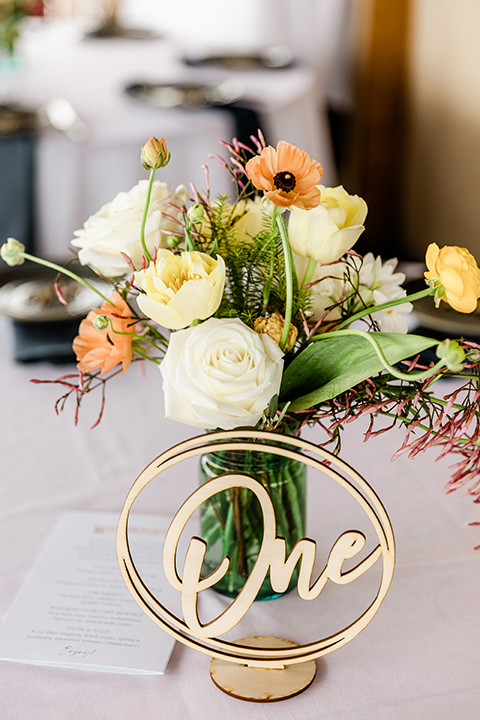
x: 72, y: 179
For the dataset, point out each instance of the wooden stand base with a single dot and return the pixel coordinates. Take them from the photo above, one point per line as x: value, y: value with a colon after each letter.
x: 262, y: 684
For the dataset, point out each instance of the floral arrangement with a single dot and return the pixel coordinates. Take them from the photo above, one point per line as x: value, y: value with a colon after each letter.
x: 259, y: 313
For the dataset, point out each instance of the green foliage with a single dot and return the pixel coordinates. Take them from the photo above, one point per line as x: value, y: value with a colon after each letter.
x: 255, y: 269
x: 329, y: 367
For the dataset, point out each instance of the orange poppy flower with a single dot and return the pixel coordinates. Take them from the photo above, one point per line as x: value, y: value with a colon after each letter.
x: 288, y: 176
x: 105, y: 348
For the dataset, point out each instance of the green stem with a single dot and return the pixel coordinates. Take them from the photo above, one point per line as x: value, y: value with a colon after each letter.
x: 371, y: 339
x: 376, y: 308
x: 65, y: 271
x: 307, y: 278
x: 134, y: 336
x: 148, y: 257
x: 289, y: 270
x: 268, y: 285
x: 145, y: 356
x: 189, y: 242
x: 161, y: 339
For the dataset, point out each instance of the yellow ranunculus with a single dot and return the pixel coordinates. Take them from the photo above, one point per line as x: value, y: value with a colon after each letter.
x: 454, y: 271
x: 179, y: 289
x: 329, y: 230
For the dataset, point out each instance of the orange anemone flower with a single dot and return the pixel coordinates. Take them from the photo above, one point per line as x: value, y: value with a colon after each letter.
x: 288, y: 176
x: 105, y: 348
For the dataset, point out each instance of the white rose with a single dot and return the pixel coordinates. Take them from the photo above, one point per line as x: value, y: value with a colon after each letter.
x: 179, y: 289
x: 220, y: 374
x: 330, y: 229
x: 115, y: 228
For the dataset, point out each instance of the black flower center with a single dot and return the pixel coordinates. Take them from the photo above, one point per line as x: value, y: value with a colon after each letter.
x: 284, y: 181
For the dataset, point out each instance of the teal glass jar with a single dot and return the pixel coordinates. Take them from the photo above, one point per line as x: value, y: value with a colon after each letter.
x: 232, y: 520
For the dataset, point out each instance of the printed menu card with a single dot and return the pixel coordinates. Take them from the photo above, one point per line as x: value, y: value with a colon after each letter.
x: 74, y: 609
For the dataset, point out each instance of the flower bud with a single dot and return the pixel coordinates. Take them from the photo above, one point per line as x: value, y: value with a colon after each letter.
x: 12, y: 252
x: 155, y: 154
x: 452, y: 354
x: 473, y: 355
x: 273, y: 327
x: 101, y: 322
x: 196, y: 213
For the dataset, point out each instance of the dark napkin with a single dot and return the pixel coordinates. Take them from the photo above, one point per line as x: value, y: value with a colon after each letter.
x: 17, y: 148
x: 246, y: 121
x: 46, y: 341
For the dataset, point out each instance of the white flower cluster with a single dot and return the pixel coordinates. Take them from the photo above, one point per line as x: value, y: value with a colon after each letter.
x: 373, y: 282
x: 378, y: 284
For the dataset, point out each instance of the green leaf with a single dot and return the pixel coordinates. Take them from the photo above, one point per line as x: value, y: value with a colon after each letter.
x: 272, y: 406
x: 329, y: 367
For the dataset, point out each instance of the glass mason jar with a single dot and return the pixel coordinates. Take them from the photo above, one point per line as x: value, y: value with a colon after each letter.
x: 232, y: 520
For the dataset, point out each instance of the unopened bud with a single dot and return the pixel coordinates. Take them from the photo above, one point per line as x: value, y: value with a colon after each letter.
x: 173, y: 241
x: 12, y: 252
x: 155, y: 154
x: 196, y: 213
x: 273, y: 327
x: 452, y: 354
x: 473, y: 355
x: 101, y: 322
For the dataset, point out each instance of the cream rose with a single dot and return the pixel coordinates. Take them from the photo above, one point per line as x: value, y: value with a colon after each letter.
x: 220, y: 374
x: 329, y: 230
x: 179, y: 289
x: 115, y: 228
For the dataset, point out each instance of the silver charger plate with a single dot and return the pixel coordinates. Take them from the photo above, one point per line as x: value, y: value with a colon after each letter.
x: 186, y: 95
x: 35, y: 300
x: 446, y: 320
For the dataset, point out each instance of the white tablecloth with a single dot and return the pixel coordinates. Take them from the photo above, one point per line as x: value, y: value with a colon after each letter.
x: 417, y: 659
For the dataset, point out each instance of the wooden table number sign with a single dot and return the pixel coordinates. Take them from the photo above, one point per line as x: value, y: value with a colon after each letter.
x: 258, y: 668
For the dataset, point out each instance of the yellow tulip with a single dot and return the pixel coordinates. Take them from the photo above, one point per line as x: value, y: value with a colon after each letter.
x: 326, y: 233
x: 454, y: 272
x: 178, y: 289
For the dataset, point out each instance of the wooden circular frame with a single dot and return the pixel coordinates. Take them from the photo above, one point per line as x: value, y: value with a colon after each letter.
x: 355, y: 485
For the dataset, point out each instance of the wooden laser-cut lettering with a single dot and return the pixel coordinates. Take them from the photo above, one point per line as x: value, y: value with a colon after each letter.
x: 268, y: 653
x: 271, y: 556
